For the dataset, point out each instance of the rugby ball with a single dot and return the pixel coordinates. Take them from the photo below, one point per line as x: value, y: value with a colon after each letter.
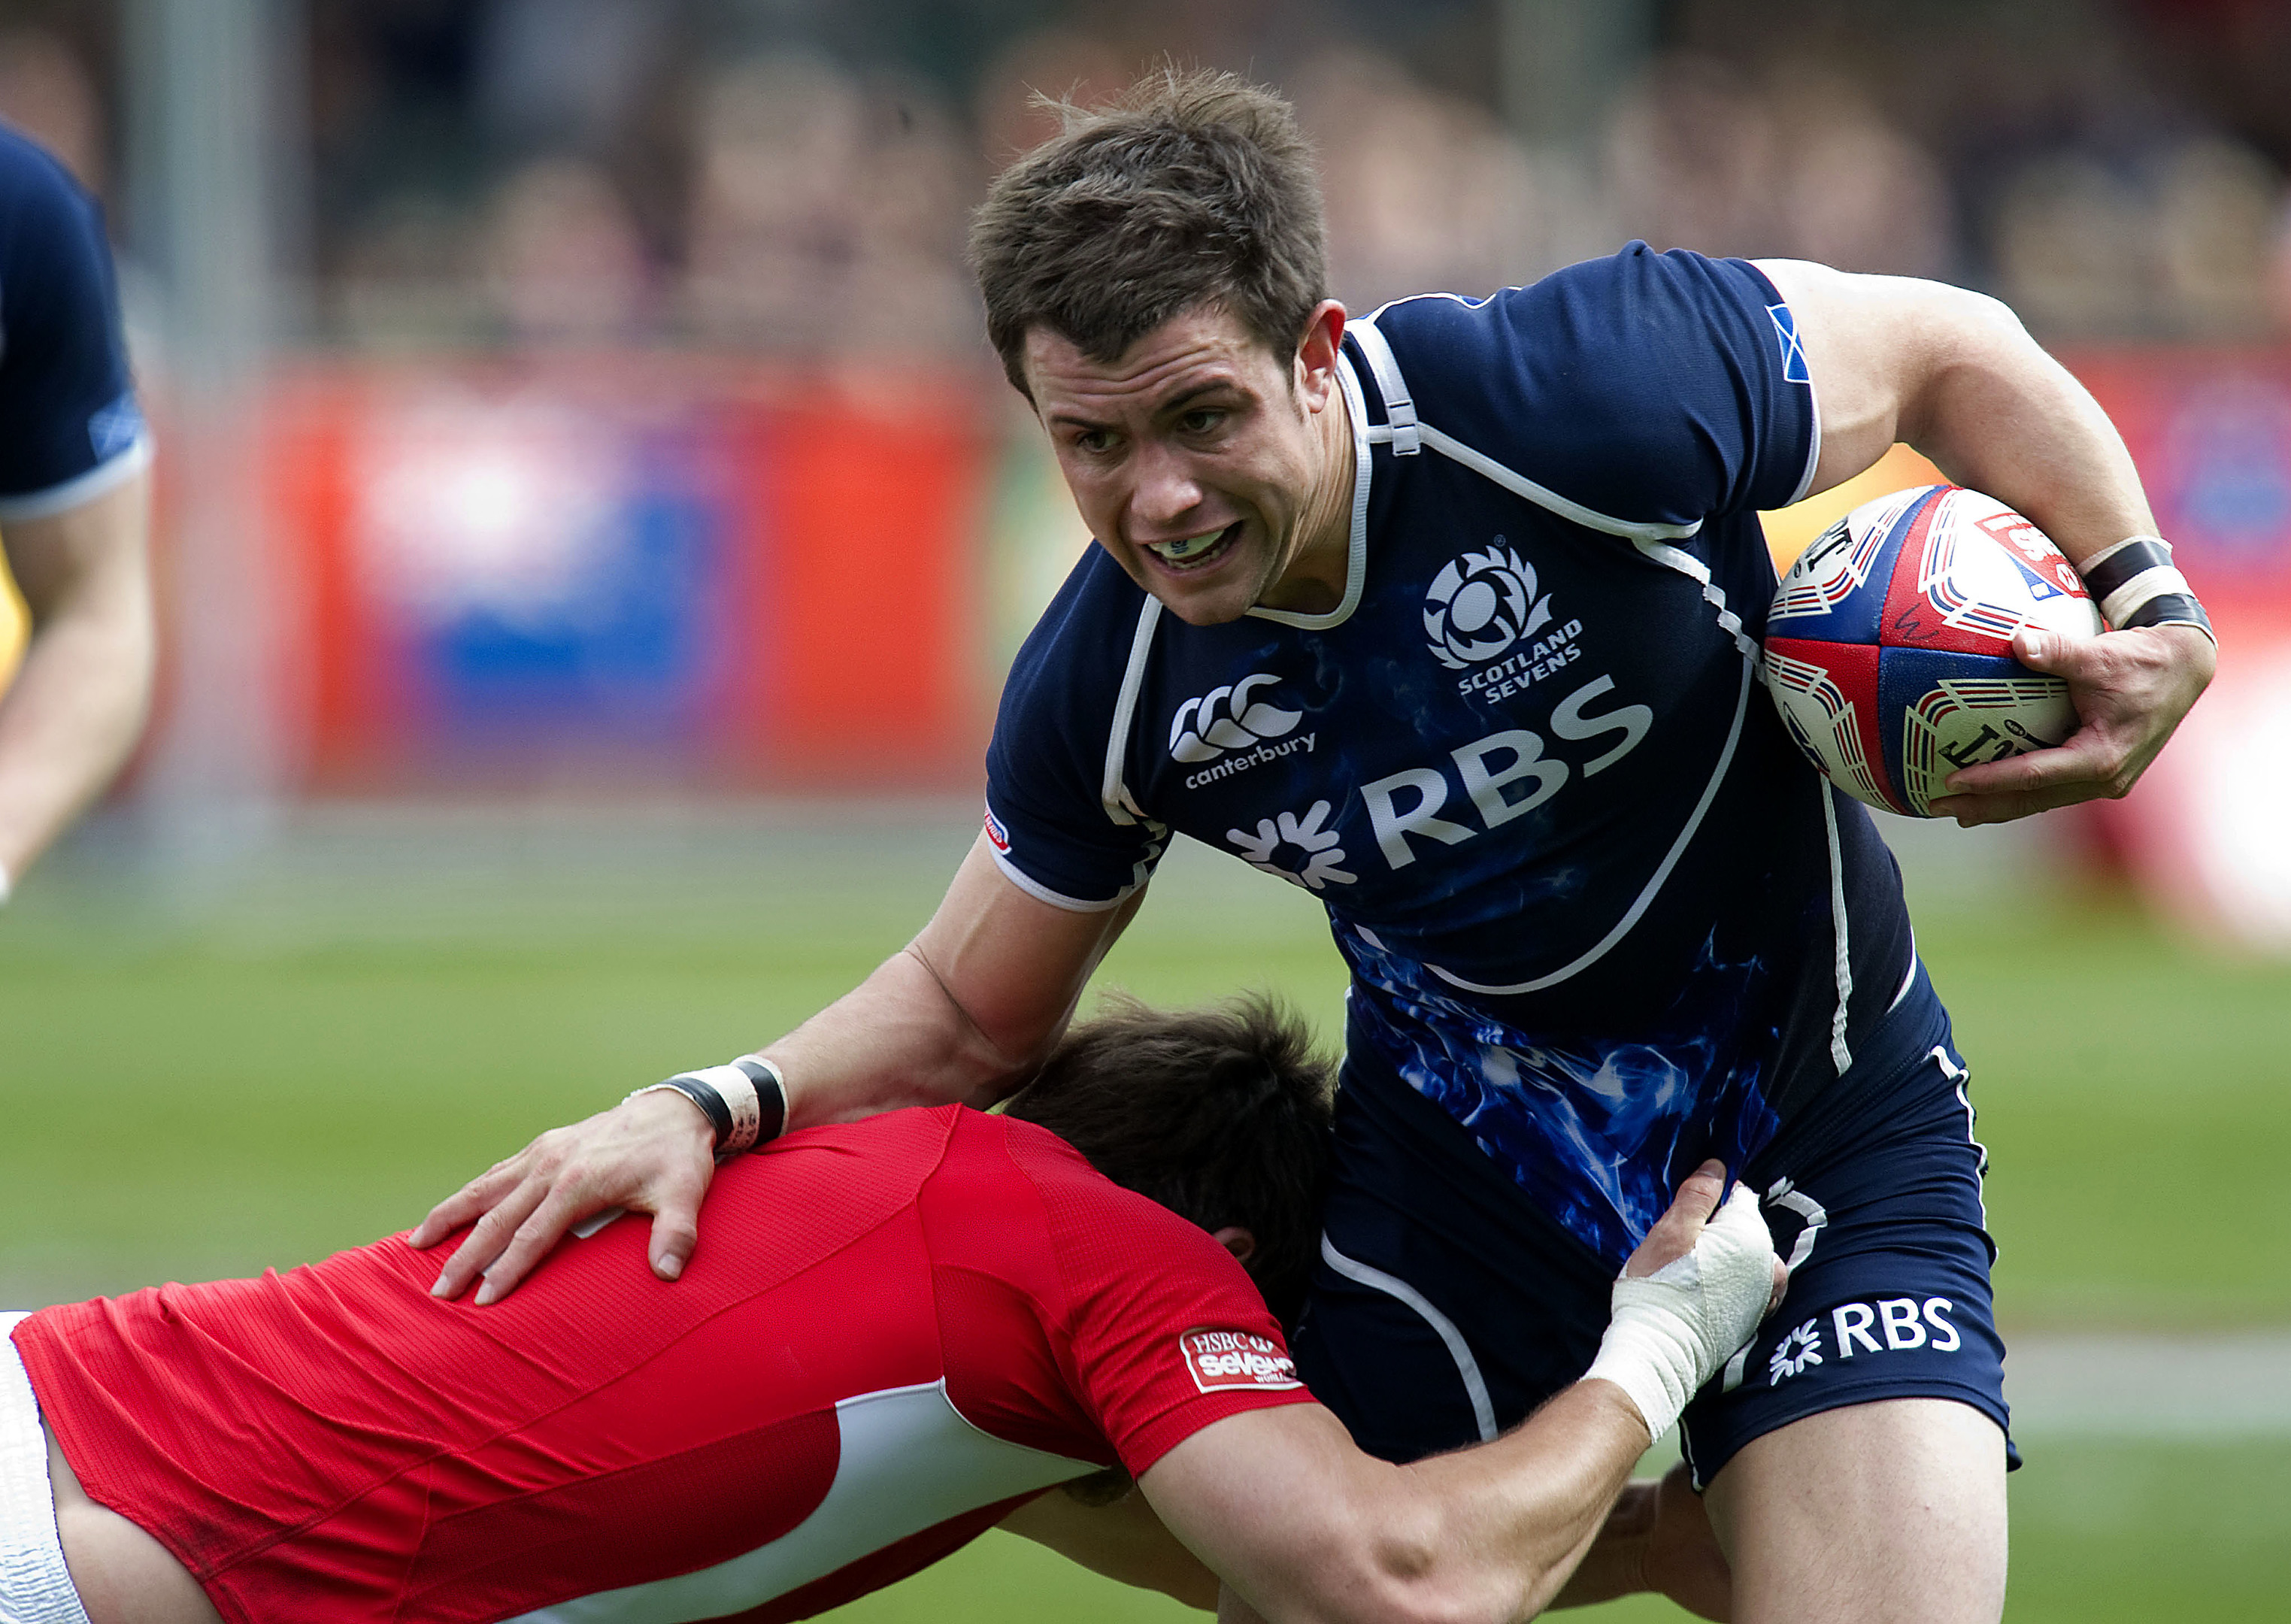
x: 1888, y: 648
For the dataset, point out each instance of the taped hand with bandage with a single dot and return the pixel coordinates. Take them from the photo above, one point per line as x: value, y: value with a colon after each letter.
x: 1692, y: 1294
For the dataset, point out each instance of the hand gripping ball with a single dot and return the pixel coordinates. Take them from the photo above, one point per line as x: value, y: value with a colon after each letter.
x: 1888, y: 649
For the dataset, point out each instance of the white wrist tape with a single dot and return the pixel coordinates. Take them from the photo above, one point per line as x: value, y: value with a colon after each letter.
x: 2120, y: 605
x: 1670, y: 1331
x: 2128, y: 578
x: 5, y: 888
x: 728, y: 1096
x: 739, y: 1095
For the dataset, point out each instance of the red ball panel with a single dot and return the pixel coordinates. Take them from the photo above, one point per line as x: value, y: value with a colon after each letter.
x: 1848, y: 699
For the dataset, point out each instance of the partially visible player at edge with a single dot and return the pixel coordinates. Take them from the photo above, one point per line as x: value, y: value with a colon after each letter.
x: 73, y: 508
x: 1450, y: 616
x: 934, y: 1317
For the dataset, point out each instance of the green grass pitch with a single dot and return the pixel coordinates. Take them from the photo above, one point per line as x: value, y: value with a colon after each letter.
x: 190, y: 1091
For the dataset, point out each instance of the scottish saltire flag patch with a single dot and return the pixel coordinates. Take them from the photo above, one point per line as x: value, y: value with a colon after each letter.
x: 1793, y: 351
x: 115, y: 428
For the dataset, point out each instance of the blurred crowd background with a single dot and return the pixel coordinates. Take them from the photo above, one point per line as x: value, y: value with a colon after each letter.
x: 792, y: 176
x: 577, y: 394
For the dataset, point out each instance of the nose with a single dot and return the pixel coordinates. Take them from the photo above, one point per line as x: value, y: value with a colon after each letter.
x: 1165, y: 490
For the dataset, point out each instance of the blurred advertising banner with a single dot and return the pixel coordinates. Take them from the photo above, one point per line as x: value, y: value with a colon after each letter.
x: 2208, y: 830
x: 627, y: 570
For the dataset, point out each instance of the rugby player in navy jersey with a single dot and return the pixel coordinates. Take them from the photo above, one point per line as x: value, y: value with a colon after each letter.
x: 74, y: 501
x: 1449, y: 615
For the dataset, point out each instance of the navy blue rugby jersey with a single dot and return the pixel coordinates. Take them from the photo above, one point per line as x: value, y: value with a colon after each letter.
x: 69, y: 426
x: 1594, y: 903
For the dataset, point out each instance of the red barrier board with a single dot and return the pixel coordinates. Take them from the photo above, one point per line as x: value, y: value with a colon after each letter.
x: 616, y: 569
x: 2211, y: 432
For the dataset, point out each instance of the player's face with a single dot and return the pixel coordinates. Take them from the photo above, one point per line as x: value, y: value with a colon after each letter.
x: 1216, y: 472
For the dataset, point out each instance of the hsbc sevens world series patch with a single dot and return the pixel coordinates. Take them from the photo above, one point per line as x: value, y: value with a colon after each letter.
x: 1220, y: 1358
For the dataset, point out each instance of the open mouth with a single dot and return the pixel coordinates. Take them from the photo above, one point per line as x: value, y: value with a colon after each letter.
x: 1195, y: 551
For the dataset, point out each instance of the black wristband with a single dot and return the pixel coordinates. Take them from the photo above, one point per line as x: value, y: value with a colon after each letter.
x: 771, y: 1096
x: 703, y: 1094
x: 2171, y: 609
x: 2120, y: 563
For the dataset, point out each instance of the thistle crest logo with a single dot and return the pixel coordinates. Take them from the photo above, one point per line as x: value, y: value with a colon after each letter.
x: 1480, y: 604
x: 1797, y: 1350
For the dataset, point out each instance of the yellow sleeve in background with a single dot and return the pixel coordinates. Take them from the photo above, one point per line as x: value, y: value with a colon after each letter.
x: 1791, y: 530
x: 15, y: 623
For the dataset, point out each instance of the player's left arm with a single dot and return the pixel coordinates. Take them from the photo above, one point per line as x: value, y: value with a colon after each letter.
x: 1658, y: 1540
x: 78, y: 704
x: 1954, y: 375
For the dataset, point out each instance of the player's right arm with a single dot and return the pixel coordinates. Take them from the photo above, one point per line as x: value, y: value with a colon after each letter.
x: 962, y: 1013
x: 1656, y: 1540
x: 1306, y: 1530
x: 1954, y: 375
x: 1305, y: 1527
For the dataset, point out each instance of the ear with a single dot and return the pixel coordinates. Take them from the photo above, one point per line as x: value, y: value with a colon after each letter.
x: 1317, y: 353
x: 1237, y: 1241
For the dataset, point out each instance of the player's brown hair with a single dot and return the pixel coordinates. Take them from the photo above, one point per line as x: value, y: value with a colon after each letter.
x: 1221, y: 1114
x: 1192, y: 188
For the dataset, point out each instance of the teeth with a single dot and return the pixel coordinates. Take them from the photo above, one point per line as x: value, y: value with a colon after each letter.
x: 1193, y: 546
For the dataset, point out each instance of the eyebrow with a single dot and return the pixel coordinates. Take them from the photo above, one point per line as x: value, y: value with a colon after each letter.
x: 1211, y: 387
x: 1175, y: 403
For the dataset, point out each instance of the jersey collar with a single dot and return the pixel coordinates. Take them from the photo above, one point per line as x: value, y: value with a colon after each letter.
x: 1357, y: 552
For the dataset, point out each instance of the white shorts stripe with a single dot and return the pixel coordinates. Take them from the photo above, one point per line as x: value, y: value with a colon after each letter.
x: 1475, y: 1386
x: 1960, y: 1076
x: 35, y: 1587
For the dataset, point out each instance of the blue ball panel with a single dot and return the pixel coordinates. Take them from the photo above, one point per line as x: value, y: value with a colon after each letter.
x: 1907, y: 675
x: 1855, y: 618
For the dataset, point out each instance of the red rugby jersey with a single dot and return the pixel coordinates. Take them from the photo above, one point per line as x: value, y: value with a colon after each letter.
x: 893, y: 1331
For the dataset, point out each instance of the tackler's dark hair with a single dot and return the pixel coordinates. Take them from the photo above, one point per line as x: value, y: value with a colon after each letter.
x: 1221, y: 1114
x: 1192, y: 189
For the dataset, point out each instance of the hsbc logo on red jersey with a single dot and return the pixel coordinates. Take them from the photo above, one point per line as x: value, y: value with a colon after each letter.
x: 1220, y: 1358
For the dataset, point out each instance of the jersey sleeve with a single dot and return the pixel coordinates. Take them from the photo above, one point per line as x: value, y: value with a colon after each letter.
x: 1164, y: 1332
x: 69, y: 426
x: 1652, y: 389
x: 1057, y: 832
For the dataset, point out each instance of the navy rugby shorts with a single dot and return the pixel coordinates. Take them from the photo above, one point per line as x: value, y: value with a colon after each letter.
x: 1447, y: 1307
